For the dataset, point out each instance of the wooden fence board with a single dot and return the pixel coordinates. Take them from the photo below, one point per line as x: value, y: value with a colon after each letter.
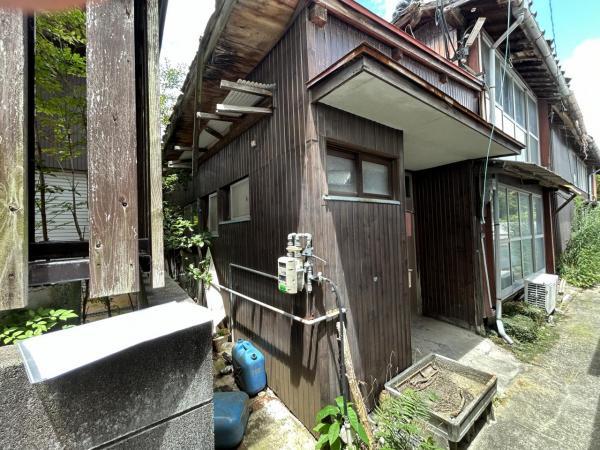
x: 112, y: 152
x: 13, y: 161
x: 156, y: 213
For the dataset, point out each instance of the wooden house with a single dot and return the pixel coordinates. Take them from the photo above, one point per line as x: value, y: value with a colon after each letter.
x: 123, y: 166
x: 321, y: 117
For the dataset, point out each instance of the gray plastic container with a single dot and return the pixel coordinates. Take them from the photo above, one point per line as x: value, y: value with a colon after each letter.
x: 452, y: 429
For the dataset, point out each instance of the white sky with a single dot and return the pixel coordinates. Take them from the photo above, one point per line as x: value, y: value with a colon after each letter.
x: 185, y: 22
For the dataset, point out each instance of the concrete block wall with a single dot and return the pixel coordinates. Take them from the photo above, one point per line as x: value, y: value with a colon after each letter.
x: 156, y: 395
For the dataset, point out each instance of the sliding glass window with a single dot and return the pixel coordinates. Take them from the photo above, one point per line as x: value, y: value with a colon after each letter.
x: 519, y: 235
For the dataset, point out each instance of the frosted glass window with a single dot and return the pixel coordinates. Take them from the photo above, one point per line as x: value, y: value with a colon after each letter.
x: 213, y: 214
x: 341, y: 174
x: 525, y: 218
x: 508, y: 96
x: 502, y: 214
x: 505, y: 276
x: 540, y: 262
x: 538, y: 223
x: 513, y: 214
x: 515, y: 260
x: 239, y: 200
x: 376, y: 178
x: 520, y: 106
x: 533, y: 117
x: 527, y: 245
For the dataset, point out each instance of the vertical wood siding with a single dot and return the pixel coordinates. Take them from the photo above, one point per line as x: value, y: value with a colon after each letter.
x: 365, y: 246
x: 13, y: 161
x: 337, y: 38
x: 447, y: 243
x: 112, y: 156
x: 276, y: 169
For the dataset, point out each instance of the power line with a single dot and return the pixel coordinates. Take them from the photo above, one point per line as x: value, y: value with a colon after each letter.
x: 552, y: 23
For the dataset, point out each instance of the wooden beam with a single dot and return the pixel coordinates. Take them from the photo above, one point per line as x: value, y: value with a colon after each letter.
x: 112, y: 148
x: 244, y: 88
x: 13, y: 160
x: 156, y: 197
x: 222, y: 118
x: 213, y: 132
x: 243, y: 109
x: 317, y: 14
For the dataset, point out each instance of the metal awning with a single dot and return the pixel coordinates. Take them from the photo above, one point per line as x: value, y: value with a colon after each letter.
x: 437, y: 129
x: 533, y: 172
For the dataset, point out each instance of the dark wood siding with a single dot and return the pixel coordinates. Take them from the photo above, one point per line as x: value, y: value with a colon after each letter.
x: 337, y: 38
x: 276, y: 170
x: 447, y: 243
x: 365, y: 246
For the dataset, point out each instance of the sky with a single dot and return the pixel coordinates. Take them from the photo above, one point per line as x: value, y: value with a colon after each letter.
x: 576, y: 23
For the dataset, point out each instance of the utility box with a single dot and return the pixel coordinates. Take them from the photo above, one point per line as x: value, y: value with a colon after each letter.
x: 290, y: 274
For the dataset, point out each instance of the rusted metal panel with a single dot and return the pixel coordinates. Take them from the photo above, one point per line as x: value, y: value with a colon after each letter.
x: 112, y: 151
x: 156, y: 212
x: 13, y: 161
x: 447, y: 243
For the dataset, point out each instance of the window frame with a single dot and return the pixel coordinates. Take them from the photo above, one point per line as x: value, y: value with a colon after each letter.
x: 503, y: 120
x: 231, y: 218
x: 358, y: 157
x: 214, y: 195
x: 512, y: 241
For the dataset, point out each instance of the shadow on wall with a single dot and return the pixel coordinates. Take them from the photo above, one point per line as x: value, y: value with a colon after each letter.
x: 127, y: 399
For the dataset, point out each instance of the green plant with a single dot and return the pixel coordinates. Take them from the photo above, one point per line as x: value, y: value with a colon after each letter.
x: 580, y: 262
x: 337, y: 431
x: 400, y: 422
x: 23, y: 324
x: 200, y: 271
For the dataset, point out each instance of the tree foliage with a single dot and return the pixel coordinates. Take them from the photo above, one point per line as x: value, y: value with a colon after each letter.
x: 171, y: 79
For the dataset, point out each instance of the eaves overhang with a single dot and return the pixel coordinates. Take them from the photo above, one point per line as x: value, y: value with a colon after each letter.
x: 437, y: 129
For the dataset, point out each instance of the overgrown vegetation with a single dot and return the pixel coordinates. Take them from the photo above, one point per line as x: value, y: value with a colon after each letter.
x: 528, y: 327
x: 60, y: 115
x: 580, y: 262
x: 23, y: 324
x: 332, y: 429
x: 401, y: 422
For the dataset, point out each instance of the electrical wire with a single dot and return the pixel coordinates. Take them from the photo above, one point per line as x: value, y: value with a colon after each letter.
x: 492, y: 105
x: 552, y: 23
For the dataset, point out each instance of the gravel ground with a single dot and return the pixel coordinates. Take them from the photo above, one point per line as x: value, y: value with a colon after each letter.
x: 554, y: 402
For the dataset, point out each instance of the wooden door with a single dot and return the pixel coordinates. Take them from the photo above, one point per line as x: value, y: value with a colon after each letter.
x: 411, y: 249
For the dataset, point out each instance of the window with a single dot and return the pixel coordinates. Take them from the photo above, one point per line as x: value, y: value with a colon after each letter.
x: 357, y: 174
x: 519, y: 237
x: 239, y: 200
x: 213, y: 214
x: 515, y: 106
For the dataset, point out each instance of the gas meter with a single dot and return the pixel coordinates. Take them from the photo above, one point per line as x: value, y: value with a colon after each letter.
x: 294, y: 271
x: 291, y: 275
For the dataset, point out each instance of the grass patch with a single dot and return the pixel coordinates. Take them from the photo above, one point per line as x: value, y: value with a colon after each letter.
x: 527, y: 326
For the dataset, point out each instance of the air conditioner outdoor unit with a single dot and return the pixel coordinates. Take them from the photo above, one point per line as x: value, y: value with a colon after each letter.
x: 540, y: 291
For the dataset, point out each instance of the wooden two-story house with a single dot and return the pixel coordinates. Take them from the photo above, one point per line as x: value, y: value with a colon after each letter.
x: 321, y: 117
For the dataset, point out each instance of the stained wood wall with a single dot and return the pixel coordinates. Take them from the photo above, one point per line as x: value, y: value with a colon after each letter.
x: 447, y: 243
x: 13, y: 160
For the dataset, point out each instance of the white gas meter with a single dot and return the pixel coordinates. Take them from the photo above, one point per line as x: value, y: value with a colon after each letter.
x: 291, y: 275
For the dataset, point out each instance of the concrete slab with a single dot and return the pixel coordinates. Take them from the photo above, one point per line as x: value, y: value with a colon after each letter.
x: 555, y: 402
x: 466, y: 347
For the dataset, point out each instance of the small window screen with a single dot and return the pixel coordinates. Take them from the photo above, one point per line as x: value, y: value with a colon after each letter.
x: 213, y: 214
x: 239, y: 200
x: 376, y: 178
x: 341, y: 174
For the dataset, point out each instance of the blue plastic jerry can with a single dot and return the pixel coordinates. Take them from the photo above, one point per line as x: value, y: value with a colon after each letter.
x: 231, y: 417
x: 249, y: 365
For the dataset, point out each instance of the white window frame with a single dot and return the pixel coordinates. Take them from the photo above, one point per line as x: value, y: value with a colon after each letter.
x: 232, y: 216
x: 213, y: 208
x: 504, y: 120
x: 517, y: 284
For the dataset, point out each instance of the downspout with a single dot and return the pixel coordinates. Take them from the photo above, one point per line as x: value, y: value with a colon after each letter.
x: 499, y: 324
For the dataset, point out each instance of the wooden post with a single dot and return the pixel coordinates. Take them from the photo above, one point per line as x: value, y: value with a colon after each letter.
x: 13, y: 161
x: 156, y: 199
x: 112, y: 152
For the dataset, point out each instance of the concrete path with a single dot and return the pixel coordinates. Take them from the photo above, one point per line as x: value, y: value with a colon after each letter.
x: 464, y: 346
x: 554, y: 402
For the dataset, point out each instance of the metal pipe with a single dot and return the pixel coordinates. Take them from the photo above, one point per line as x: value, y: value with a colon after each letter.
x: 500, y: 324
x: 254, y: 271
x: 329, y: 315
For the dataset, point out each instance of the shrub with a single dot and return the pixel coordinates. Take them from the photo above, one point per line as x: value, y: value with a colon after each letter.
x: 400, y: 422
x: 580, y: 262
x: 521, y: 327
x: 23, y: 324
x: 331, y: 429
x: 512, y: 308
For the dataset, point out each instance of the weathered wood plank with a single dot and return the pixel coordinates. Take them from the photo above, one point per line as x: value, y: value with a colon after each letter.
x: 156, y: 212
x: 221, y: 108
x: 112, y: 153
x: 244, y: 88
x: 13, y: 161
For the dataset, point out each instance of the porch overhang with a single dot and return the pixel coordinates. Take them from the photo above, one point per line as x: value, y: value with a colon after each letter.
x: 544, y: 177
x: 437, y: 129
